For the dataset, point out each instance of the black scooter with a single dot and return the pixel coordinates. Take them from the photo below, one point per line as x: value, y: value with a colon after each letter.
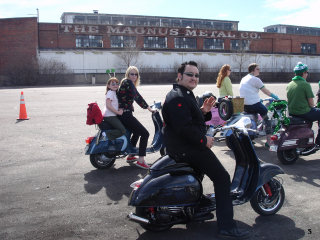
x: 171, y: 193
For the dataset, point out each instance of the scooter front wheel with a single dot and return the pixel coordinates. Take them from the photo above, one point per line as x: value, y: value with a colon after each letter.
x: 102, y: 160
x: 269, y: 200
x: 288, y: 157
x: 155, y: 224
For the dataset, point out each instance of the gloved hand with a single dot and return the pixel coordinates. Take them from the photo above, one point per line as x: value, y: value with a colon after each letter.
x: 274, y: 96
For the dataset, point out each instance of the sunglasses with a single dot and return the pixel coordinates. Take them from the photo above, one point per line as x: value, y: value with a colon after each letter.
x: 114, y: 84
x: 229, y: 70
x: 189, y: 74
x: 134, y: 74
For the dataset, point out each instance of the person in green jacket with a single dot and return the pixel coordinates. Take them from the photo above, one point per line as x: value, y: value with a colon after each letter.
x: 223, y: 81
x: 300, y: 97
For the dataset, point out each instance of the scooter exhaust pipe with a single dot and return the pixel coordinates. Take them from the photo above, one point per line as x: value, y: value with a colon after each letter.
x: 137, y: 219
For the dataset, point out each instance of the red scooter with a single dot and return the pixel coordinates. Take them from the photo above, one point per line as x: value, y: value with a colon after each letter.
x: 293, y: 139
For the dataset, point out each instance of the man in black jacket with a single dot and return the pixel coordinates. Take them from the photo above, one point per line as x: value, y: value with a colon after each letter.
x: 186, y: 141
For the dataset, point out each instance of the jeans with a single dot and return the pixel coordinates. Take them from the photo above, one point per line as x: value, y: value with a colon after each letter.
x: 256, y: 108
x: 138, y: 131
x: 206, y: 162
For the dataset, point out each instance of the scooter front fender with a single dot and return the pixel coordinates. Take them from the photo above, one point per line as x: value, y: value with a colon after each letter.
x: 268, y: 171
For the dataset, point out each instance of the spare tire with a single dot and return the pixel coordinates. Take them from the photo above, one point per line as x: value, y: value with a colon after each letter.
x: 225, y: 109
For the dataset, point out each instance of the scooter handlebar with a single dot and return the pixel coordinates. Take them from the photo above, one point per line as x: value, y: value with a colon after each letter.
x: 242, y: 125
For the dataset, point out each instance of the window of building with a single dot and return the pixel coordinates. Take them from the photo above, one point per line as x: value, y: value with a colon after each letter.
x: 186, y: 23
x: 89, y: 41
x: 272, y: 30
x: 189, y: 43
x: 212, y: 43
x: 117, y: 20
x: 155, y: 42
x: 143, y: 22
x: 79, y: 19
x: 176, y: 23
x: 92, y: 19
x: 228, y: 26
x: 165, y: 23
x: 218, y: 26
x: 154, y: 22
x: 308, y: 48
x: 105, y: 20
x: 208, y: 24
x: 123, y: 41
x: 236, y: 44
x: 130, y: 21
x: 197, y: 24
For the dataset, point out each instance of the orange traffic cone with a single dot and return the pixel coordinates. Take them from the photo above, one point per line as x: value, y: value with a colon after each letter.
x: 23, y: 111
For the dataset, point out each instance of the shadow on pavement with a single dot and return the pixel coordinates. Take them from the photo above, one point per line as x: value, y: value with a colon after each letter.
x: 273, y: 227
x: 203, y: 231
x: 276, y: 227
x: 304, y: 171
x: 116, y: 182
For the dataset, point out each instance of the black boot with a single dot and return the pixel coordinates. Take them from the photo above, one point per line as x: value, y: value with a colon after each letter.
x: 233, y: 233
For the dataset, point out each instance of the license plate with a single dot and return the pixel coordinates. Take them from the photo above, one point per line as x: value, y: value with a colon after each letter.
x: 273, y: 148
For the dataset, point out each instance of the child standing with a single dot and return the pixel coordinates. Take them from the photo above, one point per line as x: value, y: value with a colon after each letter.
x: 111, y: 110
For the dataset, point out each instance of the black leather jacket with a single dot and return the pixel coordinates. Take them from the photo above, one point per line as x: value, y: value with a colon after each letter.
x: 184, y: 123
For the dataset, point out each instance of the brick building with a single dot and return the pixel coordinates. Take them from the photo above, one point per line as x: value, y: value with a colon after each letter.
x: 92, y: 43
x: 18, y: 42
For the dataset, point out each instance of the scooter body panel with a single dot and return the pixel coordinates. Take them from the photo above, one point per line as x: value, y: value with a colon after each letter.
x: 167, y: 190
x: 103, y: 145
x: 296, y: 136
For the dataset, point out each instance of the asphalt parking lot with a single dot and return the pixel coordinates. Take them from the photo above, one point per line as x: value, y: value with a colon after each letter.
x: 49, y: 189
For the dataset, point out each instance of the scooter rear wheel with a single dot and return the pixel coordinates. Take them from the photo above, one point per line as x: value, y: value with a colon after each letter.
x: 152, y: 226
x: 288, y: 157
x: 268, y: 205
x: 102, y: 160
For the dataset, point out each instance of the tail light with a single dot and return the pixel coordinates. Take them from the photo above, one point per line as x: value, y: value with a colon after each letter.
x: 89, y: 140
x: 136, y: 184
x: 274, y: 137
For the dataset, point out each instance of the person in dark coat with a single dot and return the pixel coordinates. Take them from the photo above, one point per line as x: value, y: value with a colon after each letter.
x: 186, y: 141
x: 127, y: 94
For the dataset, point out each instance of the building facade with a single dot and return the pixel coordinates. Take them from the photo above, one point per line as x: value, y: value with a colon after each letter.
x: 92, y: 43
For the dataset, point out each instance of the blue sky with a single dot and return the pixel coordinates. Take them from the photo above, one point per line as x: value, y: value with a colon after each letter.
x: 252, y: 15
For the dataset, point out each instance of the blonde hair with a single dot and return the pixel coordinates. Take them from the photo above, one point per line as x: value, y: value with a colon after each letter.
x: 222, y: 74
x: 112, y: 79
x: 126, y: 76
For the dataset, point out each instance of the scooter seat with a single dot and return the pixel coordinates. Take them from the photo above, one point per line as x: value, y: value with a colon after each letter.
x: 169, y: 165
